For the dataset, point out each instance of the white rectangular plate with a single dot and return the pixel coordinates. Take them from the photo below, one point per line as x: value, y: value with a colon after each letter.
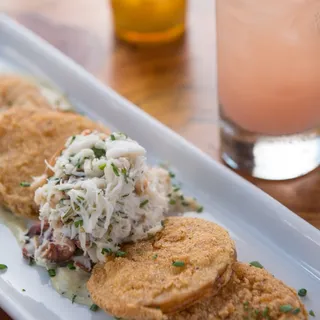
x: 263, y: 229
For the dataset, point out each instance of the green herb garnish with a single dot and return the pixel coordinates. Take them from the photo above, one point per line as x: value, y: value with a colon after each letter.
x: 176, y: 189
x: 302, y: 292
x: 143, y: 203
x: 265, y: 312
x: 106, y: 250
x: 120, y: 253
x: 23, y: 290
x: 99, y: 152
x: 102, y: 166
x: 184, y: 203
x: 52, y: 273
x: 25, y: 184
x: 3, y: 267
x: 200, y: 209
x: 296, y: 311
x: 124, y: 172
x: 246, y: 305
x: 112, y: 137
x: 78, y: 223
x: 73, y: 298
x: 178, y: 263
x: 115, y: 169
x: 172, y: 202
x: 312, y: 314
x: 256, y: 264
x: 72, y: 139
x: 162, y: 223
x: 94, y: 308
x: 67, y: 215
x: 171, y: 174
x: 125, y: 195
x: 286, y: 308
x: 155, y: 256
x: 71, y: 266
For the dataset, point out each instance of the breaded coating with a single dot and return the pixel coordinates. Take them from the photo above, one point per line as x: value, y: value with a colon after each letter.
x: 28, y: 137
x: 189, y: 259
x: 18, y: 91
x: 252, y: 293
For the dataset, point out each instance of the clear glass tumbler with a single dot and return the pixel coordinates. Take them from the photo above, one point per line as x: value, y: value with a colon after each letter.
x: 149, y: 21
x: 269, y: 86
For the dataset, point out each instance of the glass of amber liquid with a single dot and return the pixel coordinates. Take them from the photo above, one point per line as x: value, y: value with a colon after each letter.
x: 269, y: 86
x: 149, y: 21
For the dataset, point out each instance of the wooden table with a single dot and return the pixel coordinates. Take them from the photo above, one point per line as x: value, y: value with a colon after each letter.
x: 175, y: 83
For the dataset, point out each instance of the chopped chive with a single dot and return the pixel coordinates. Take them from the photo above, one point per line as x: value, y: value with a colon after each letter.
x: 184, y: 203
x: 302, y: 292
x: 125, y: 195
x: 52, y: 273
x: 120, y: 253
x: 286, y: 308
x: 176, y: 189
x: 246, y: 305
x: 178, y: 263
x: 143, y: 203
x: 31, y: 262
x: 181, y: 197
x: 256, y: 312
x: 265, y: 312
x: 155, y: 256
x: 169, y: 195
x: 124, y: 172
x: 25, y: 184
x: 106, y: 250
x: 200, y: 209
x: 71, y: 266
x: 112, y: 137
x: 256, y: 264
x: 78, y: 164
x: 102, y: 166
x: 67, y: 214
x: 23, y: 290
x: 72, y: 139
x: 296, y: 311
x: 162, y: 223
x: 98, y: 152
x: 115, y: 169
x: 79, y: 198
x: 73, y: 298
x: 78, y: 223
x: 171, y: 174
x: 3, y: 267
x: 311, y: 312
x: 172, y: 202
x: 94, y: 308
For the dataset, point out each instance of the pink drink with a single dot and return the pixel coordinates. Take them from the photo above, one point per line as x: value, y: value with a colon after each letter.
x: 269, y: 64
x: 269, y: 86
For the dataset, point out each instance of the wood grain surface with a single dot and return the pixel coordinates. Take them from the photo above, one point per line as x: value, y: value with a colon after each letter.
x: 175, y: 83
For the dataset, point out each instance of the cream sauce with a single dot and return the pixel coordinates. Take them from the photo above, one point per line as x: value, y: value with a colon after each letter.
x: 55, y: 98
x: 69, y: 283
x: 72, y: 284
x: 18, y: 226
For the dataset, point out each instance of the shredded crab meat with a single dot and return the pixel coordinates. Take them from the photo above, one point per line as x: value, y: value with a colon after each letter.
x: 102, y: 193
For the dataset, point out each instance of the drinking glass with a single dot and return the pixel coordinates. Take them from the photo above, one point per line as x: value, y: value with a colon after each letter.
x: 149, y: 21
x: 269, y: 86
